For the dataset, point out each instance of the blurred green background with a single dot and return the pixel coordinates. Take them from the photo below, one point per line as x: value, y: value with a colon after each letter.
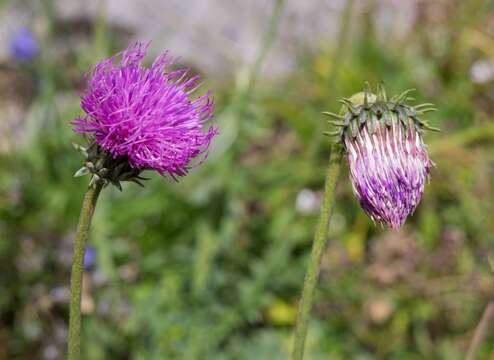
x: 211, y: 267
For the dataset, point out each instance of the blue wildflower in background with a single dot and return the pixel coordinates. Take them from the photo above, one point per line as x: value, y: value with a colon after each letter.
x: 89, y: 257
x: 24, y: 45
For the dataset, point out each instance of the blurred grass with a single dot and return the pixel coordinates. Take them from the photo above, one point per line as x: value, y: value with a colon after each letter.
x: 211, y: 267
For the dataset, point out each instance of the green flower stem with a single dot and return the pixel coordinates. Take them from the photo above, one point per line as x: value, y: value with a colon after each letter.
x: 318, y: 246
x: 87, y: 210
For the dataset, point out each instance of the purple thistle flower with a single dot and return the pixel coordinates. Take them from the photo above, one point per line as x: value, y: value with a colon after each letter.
x: 388, y: 160
x: 147, y: 116
x: 23, y: 45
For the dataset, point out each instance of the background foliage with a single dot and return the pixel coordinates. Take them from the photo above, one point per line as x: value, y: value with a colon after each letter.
x: 211, y: 267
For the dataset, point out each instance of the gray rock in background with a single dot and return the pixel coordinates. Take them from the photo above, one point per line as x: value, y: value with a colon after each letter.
x: 219, y: 36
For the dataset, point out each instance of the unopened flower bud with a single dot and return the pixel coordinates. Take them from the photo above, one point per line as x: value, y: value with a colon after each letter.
x: 388, y: 160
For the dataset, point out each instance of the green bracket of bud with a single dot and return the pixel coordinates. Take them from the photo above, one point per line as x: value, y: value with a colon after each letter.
x: 104, y: 168
x: 371, y: 111
x: 82, y: 171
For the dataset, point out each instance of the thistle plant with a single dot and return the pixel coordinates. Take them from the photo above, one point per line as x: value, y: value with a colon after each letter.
x: 136, y: 119
x: 389, y: 166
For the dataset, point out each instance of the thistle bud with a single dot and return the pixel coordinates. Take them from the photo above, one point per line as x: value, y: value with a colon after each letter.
x: 387, y: 157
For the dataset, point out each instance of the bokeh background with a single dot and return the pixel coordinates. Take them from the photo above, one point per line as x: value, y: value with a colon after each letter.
x: 211, y: 267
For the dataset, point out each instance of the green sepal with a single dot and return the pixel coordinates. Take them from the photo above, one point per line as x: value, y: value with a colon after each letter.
x: 137, y: 182
x: 410, y: 111
x: 402, y: 116
x: 426, y: 110
x: 94, y: 179
x: 391, y: 118
x: 336, y: 123
x: 350, y: 106
x: 400, y: 98
x: 371, y: 124
x: 423, y: 105
x: 366, y: 95
x: 80, y: 149
x: 81, y: 172
x: 430, y: 128
x: 354, y: 127
x: 362, y: 117
x: 381, y: 93
x: 332, y: 133
x: 333, y: 115
x: 104, y: 168
x: 348, y: 118
x: 117, y: 185
x: 375, y: 122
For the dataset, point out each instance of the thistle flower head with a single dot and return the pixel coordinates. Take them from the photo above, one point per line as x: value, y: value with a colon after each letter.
x: 143, y: 118
x: 388, y: 160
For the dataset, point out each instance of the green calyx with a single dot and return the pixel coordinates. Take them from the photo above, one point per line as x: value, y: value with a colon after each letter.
x: 105, y: 169
x: 366, y: 109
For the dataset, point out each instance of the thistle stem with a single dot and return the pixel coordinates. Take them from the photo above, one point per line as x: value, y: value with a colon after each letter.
x: 305, y: 304
x: 87, y: 210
